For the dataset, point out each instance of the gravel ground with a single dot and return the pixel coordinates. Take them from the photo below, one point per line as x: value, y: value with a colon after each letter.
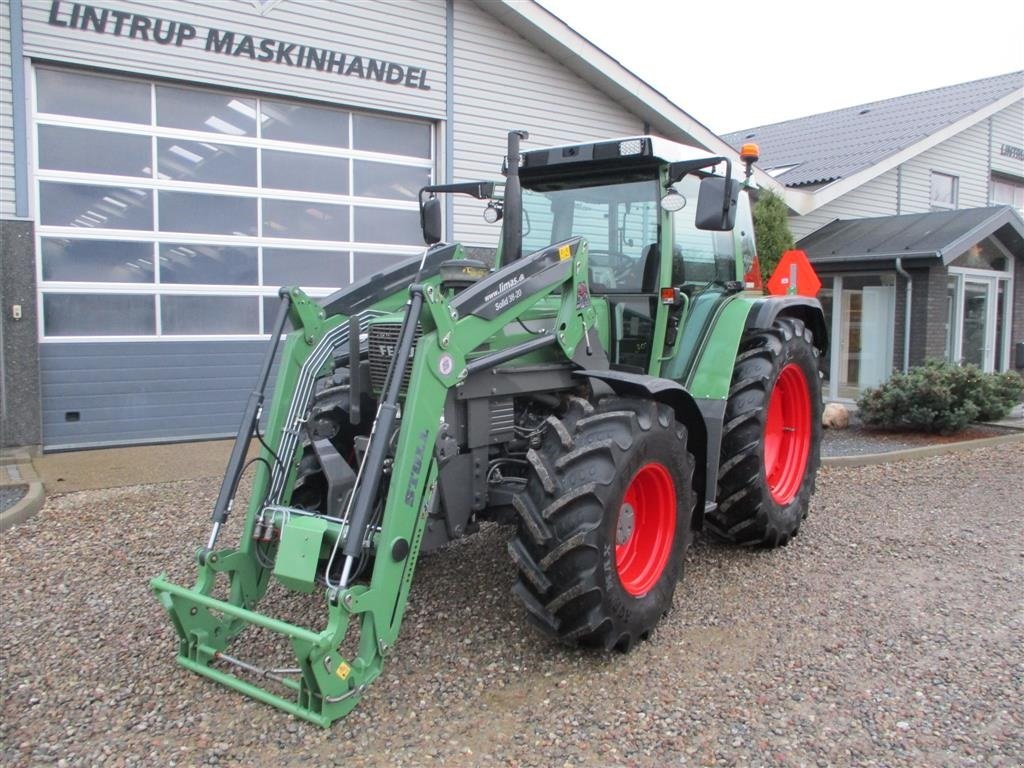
x: 890, y: 633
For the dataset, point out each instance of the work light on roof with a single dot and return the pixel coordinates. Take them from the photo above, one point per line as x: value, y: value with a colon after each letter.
x: 631, y: 147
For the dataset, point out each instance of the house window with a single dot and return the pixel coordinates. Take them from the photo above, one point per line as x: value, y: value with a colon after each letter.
x: 1008, y: 192
x: 944, y: 190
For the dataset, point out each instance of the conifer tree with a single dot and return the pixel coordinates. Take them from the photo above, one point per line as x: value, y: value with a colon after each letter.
x: 771, y: 228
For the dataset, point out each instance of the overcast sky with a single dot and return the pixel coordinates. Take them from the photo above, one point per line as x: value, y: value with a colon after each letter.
x: 739, y: 64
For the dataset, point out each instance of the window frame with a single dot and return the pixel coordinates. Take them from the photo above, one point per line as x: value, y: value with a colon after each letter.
x: 954, y: 182
x: 154, y: 184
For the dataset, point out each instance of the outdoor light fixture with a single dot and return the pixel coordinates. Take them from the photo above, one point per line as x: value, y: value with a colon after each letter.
x: 493, y: 212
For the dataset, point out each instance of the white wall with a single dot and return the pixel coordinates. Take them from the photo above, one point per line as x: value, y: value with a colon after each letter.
x: 502, y: 82
x: 1008, y: 128
x: 406, y: 33
x: 6, y: 115
x: 971, y: 156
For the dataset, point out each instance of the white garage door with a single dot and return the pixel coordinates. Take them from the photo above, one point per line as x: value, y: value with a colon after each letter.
x: 168, y: 216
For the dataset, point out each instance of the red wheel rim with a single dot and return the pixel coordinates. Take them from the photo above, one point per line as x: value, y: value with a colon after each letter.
x: 787, y: 434
x: 645, y: 528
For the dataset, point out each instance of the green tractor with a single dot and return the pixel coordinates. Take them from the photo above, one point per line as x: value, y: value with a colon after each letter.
x: 616, y: 382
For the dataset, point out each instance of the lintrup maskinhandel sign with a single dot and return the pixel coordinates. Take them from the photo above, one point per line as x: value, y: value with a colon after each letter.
x: 135, y: 26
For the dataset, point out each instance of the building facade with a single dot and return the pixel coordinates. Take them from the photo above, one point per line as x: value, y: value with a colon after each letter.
x: 912, y: 212
x: 166, y: 166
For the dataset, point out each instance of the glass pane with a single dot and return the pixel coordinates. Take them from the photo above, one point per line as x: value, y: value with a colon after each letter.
x: 865, y: 333
x: 698, y: 256
x: 77, y: 149
x: 391, y: 135
x: 619, y: 221
x: 975, y: 324
x: 305, y: 220
x: 943, y: 194
x: 380, y: 225
x: 851, y: 339
x: 983, y: 255
x: 105, y: 98
x: 305, y: 173
x: 305, y: 124
x: 270, y: 305
x: 81, y: 314
x: 98, y: 261
x: 367, y: 264
x: 400, y: 182
x: 209, y: 314
x: 208, y: 264
x: 293, y: 266
x: 88, y: 205
x: 208, y: 214
x: 200, y: 161
x: 197, y: 110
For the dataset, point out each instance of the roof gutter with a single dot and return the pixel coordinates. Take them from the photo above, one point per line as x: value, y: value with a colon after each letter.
x: 873, y: 257
x: 906, y: 314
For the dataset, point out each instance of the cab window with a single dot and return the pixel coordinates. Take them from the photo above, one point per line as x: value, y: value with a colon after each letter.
x: 698, y: 256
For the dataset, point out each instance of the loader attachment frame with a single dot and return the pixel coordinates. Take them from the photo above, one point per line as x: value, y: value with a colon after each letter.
x: 323, y: 685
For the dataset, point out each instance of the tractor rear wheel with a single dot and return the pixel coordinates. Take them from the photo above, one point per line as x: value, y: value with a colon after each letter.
x: 604, y: 522
x: 771, y: 438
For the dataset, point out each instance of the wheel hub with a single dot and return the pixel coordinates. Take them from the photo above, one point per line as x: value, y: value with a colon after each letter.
x: 645, y: 529
x: 625, y: 525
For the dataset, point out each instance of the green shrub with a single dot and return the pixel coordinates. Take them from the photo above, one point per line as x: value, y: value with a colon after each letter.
x: 940, y: 397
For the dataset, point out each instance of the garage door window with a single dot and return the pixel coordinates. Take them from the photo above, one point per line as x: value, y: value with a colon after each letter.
x: 168, y: 211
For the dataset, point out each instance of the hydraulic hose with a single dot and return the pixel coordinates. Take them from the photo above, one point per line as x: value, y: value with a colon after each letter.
x: 364, y: 496
x: 250, y: 417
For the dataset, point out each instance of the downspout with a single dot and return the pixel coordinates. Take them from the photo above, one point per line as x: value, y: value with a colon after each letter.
x: 906, y: 316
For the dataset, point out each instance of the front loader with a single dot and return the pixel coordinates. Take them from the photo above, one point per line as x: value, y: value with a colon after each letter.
x: 615, y: 383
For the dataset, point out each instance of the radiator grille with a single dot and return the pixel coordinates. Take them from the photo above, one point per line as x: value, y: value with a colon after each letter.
x: 383, y: 341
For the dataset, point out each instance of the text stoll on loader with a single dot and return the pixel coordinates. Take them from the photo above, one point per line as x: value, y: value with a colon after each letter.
x: 618, y: 381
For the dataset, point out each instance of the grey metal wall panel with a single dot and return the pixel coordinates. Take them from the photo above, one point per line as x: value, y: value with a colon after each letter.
x: 876, y: 198
x: 504, y: 82
x: 1008, y: 132
x: 409, y: 33
x: 6, y: 115
x: 964, y: 156
x: 145, y: 391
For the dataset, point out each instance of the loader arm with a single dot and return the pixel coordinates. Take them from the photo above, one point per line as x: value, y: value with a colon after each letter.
x: 324, y: 684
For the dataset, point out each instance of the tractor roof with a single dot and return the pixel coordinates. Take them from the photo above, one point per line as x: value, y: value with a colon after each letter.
x: 639, y: 155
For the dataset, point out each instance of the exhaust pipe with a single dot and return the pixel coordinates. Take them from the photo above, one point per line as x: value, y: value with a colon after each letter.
x: 512, y: 209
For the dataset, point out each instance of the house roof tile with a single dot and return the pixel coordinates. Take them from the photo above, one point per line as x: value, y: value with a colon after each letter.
x: 833, y: 145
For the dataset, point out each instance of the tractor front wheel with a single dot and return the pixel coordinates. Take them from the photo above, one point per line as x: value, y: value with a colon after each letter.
x: 771, y: 437
x: 604, y: 522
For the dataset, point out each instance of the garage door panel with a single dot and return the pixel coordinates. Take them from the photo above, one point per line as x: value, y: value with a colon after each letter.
x: 98, y: 393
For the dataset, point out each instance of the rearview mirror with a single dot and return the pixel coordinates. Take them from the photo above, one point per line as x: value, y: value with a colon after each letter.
x: 430, y: 220
x: 716, y: 204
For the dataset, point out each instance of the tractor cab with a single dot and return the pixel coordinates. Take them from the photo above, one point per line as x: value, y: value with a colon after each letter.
x: 668, y: 230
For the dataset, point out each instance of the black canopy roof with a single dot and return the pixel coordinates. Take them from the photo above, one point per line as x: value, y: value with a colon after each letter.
x: 931, y: 236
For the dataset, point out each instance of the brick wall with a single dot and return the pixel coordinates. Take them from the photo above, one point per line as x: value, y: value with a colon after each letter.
x: 927, y: 316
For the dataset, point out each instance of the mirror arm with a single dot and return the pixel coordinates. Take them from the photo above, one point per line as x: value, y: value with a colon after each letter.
x: 727, y: 199
x: 481, y: 190
x: 676, y: 171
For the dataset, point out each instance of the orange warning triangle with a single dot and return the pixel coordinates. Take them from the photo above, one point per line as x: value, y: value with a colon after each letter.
x: 794, y: 275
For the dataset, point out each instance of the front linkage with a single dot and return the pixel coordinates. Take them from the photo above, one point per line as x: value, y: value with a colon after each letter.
x: 286, y: 542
